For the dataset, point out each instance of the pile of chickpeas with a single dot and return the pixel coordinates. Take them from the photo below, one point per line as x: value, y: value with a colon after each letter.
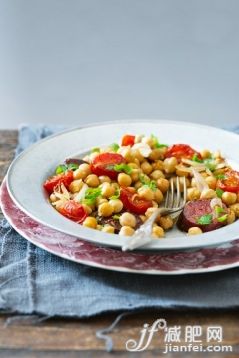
x: 155, y: 168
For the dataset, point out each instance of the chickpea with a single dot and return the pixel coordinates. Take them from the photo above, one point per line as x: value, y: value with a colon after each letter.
x: 155, y: 204
x: 193, y: 183
x: 166, y: 222
x: 157, y: 232
x: 211, y: 181
x: 107, y: 190
x: 135, y: 175
x: 99, y: 227
x: 90, y: 222
x: 217, y: 155
x: 76, y: 185
x: 138, y: 138
x: 163, y: 185
x: 92, y: 180
x: 82, y: 172
x: 205, y: 153
x: 231, y: 216
x: 105, y: 210
x: 137, y: 155
x: 150, y: 212
x: 104, y: 179
x: 156, y: 154
x: 53, y: 198
x: 146, y: 167
x: 127, y: 219
x: 87, y: 209
x: 194, y: 231
x: 133, y: 165
x: 100, y: 200
x: 143, y: 218
x: 235, y: 208
x: 109, y: 229
x: 158, y: 196
x: 158, y: 165
x: 126, y: 231
x: 127, y: 154
x: 138, y: 185
x: 124, y: 179
x: 182, y: 173
x: 157, y: 174
x: 229, y: 198
x: 208, y: 194
x: 193, y: 194
x: 237, y: 197
x: 116, y: 204
x: 170, y: 165
x: 146, y: 193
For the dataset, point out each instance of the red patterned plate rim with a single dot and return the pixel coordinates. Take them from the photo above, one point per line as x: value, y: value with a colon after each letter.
x: 161, y: 263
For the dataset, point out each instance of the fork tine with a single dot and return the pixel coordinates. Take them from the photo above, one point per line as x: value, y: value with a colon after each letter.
x: 178, y: 197
x: 184, y: 191
x: 172, y: 194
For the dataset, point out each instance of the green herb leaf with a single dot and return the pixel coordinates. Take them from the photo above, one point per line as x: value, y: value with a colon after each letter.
x: 219, y: 192
x: 156, y: 142
x: 210, y: 164
x: 116, y: 217
x: 114, y: 147
x: 95, y: 150
x: 223, y: 218
x: 219, y: 210
x: 151, y: 184
x: 122, y: 168
x: 205, y: 219
x: 91, y: 195
x: 72, y: 166
x: 221, y: 176
x: 61, y: 169
x: 196, y: 159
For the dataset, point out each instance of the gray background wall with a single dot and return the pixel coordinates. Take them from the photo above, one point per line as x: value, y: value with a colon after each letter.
x: 75, y: 61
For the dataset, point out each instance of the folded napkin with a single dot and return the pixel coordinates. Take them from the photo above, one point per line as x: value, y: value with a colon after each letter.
x: 35, y: 281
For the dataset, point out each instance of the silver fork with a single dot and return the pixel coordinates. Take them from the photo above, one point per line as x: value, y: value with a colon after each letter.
x: 174, y: 203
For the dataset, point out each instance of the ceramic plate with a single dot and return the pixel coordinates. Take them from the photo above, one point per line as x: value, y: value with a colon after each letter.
x: 81, y: 251
x: 29, y: 170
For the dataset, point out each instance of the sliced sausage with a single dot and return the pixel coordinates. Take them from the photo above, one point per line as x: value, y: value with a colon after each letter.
x: 193, y: 210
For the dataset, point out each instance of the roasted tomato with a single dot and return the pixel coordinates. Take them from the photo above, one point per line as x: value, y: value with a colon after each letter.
x: 230, y: 182
x: 128, y: 139
x: 181, y: 151
x: 104, y: 163
x: 74, y: 211
x: 64, y: 178
x: 133, y: 203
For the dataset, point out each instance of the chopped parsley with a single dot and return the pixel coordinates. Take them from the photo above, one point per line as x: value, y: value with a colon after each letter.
x: 116, y: 217
x: 62, y: 168
x: 196, y: 159
x: 151, y: 184
x: 114, y: 147
x: 91, y: 195
x: 219, y: 210
x: 221, y: 176
x: 223, y: 218
x: 219, y: 192
x: 210, y: 164
x: 122, y: 168
x: 205, y: 219
x: 156, y: 142
x: 95, y: 150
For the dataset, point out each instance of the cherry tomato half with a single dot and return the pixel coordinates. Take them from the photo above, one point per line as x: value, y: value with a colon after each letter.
x: 230, y: 182
x: 133, y: 203
x: 74, y: 211
x: 181, y: 151
x: 103, y: 164
x: 128, y: 139
x: 64, y: 178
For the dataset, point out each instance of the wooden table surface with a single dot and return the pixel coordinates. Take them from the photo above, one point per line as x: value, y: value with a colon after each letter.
x: 76, y: 337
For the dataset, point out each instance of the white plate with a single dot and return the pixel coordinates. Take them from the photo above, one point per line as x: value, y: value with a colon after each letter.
x: 29, y: 170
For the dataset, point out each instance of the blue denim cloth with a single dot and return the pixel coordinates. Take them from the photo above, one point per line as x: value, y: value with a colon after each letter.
x: 35, y: 281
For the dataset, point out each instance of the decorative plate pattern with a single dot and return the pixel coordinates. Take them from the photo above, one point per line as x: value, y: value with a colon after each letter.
x: 72, y: 248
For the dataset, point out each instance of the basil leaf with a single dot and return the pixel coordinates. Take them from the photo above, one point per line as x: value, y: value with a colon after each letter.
x: 95, y: 150
x: 219, y: 210
x: 116, y: 217
x: 205, y: 219
x: 151, y: 184
x: 210, y: 164
x: 219, y: 192
x: 72, y: 166
x: 221, y: 176
x: 91, y: 195
x: 196, y: 159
